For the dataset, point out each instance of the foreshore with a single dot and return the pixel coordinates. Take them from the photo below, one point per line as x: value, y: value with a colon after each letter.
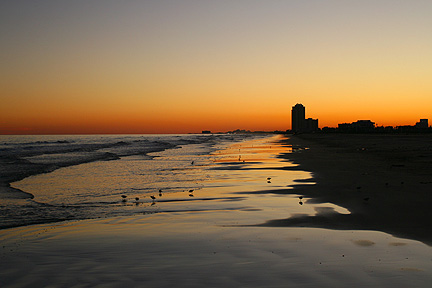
x: 383, y: 180
x: 215, y: 238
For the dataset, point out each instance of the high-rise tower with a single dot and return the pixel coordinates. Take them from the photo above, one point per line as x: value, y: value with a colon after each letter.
x: 298, y: 118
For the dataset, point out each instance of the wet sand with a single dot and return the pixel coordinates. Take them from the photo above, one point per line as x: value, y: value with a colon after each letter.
x: 192, y: 250
x: 383, y: 180
x: 229, y: 234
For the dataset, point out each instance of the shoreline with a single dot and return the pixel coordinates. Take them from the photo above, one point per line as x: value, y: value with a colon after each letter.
x: 383, y: 180
x: 14, y: 198
x: 199, y: 242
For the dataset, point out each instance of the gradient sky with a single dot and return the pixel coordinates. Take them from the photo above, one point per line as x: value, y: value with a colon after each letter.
x: 185, y: 66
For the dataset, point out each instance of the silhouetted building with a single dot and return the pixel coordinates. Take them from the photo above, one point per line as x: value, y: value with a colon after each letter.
x: 311, y: 125
x: 345, y: 127
x: 406, y: 129
x: 298, y: 122
x: 298, y: 118
x: 423, y: 124
x: 360, y: 126
x: 364, y: 126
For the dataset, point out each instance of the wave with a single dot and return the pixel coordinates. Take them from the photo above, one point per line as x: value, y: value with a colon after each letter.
x: 21, y: 157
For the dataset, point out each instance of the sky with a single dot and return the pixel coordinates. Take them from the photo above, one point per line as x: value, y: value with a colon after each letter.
x: 182, y: 66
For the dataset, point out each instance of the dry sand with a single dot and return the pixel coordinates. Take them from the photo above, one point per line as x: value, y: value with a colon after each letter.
x: 385, y: 181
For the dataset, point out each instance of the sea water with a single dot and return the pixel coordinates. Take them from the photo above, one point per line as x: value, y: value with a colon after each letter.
x: 85, y: 176
x: 95, y: 176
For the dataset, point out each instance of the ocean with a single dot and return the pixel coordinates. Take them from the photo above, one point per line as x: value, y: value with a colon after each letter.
x: 93, y: 176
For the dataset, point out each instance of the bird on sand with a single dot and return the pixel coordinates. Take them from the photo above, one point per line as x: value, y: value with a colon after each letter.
x: 136, y: 198
x: 190, y: 191
x: 153, y: 197
x: 124, y: 198
x: 268, y: 178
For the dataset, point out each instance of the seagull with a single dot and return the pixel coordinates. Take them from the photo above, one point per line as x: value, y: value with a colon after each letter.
x: 268, y: 178
x: 192, y: 162
x: 190, y: 191
x: 136, y: 198
x: 124, y: 198
x: 300, y: 197
x: 153, y: 197
x: 191, y: 195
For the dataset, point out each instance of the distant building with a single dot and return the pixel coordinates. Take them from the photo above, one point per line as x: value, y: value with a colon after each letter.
x: 345, y: 127
x: 423, y: 124
x: 360, y: 126
x: 363, y: 126
x: 298, y: 122
x: 311, y: 125
x: 298, y: 118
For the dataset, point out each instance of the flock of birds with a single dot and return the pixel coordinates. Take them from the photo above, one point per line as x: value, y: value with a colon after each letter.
x: 124, y: 197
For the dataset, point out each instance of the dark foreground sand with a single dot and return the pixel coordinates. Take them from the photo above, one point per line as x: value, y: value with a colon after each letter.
x: 385, y: 181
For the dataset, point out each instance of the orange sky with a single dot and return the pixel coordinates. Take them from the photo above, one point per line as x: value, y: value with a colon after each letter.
x: 187, y: 66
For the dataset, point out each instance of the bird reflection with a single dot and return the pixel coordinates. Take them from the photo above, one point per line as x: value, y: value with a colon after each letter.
x: 300, y: 202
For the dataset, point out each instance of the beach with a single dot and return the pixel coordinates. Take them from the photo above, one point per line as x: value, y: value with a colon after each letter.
x: 276, y: 211
x: 384, y: 180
